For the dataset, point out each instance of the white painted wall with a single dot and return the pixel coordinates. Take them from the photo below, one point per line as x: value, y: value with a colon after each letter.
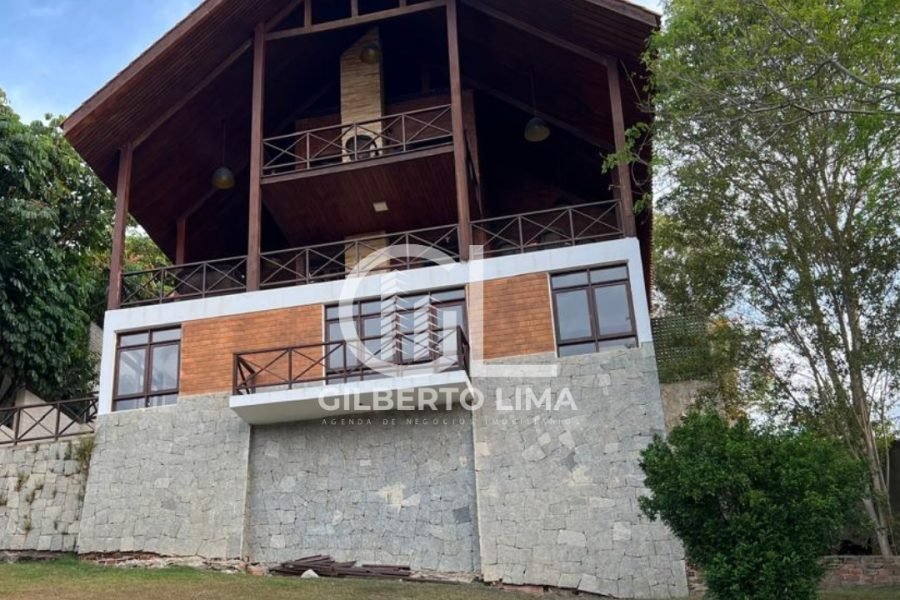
x: 429, y: 278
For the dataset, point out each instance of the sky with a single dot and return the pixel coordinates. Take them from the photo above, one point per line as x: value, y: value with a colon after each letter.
x: 54, y: 54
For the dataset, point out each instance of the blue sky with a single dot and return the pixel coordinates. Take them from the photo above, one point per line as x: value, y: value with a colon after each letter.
x: 55, y: 53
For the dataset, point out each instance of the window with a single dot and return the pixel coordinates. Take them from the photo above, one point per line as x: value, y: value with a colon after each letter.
x: 401, y: 330
x: 593, y: 310
x: 147, y: 365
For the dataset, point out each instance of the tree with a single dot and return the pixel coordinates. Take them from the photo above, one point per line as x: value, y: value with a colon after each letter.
x: 55, y: 218
x: 754, y: 508
x: 777, y: 124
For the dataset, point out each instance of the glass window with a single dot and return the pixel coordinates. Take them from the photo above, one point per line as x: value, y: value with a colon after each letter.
x: 401, y: 329
x: 147, y: 369
x: 593, y: 310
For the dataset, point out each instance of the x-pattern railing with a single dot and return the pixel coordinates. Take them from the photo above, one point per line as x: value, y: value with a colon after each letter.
x: 334, y: 261
x: 184, y: 282
x: 353, y: 142
x: 395, y: 353
x: 47, y: 421
x: 553, y: 228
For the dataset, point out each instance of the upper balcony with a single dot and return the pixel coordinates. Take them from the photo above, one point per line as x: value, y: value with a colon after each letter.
x: 365, y: 143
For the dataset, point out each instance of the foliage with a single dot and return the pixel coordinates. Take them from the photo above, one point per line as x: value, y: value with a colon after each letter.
x: 54, y: 222
x: 777, y: 124
x: 754, y: 508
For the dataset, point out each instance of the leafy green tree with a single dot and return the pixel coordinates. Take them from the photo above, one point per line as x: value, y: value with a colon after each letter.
x: 777, y: 125
x: 55, y: 217
x: 754, y: 508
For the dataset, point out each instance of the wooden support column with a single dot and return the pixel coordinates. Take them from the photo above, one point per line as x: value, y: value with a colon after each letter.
x: 622, y: 172
x: 120, y: 225
x: 254, y: 234
x: 180, y: 227
x: 459, y: 140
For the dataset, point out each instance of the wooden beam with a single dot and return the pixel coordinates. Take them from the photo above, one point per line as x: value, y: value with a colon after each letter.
x: 254, y: 234
x: 180, y: 232
x: 354, y: 8
x: 525, y: 107
x: 537, y: 32
x: 283, y: 14
x: 459, y: 132
x: 307, y: 14
x: 357, y: 20
x: 120, y: 225
x: 623, y: 172
x: 210, y: 77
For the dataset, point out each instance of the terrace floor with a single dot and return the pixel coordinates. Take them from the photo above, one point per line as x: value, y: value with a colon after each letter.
x: 68, y: 579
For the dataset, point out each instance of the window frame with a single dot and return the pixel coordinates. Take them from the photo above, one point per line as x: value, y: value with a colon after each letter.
x: 149, y: 345
x: 360, y: 316
x: 596, y: 338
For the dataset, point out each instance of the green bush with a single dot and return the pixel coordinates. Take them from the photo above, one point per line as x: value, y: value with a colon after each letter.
x: 754, y: 508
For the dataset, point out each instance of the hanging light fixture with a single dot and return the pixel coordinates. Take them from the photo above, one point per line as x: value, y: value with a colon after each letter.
x: 223, y: 177
x: 537, y: 129
x: 371, y: 53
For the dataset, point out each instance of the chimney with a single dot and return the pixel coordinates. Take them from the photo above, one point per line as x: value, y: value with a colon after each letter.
x: 362, y: 94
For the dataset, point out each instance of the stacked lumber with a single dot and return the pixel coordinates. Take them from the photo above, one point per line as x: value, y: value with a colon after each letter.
x: 324, y: 566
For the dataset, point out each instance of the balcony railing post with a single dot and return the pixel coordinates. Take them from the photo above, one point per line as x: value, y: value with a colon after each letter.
x: 573, y: 235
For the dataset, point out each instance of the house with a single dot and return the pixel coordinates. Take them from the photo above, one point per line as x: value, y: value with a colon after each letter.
x: 406, y: 316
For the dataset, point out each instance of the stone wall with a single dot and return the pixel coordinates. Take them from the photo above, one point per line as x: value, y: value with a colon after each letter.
x: 861, y: 571
x: 558, y: 491
x: 376, y: 489
x: 677, y: 399
x: 41, y: 491
x: 168, y: 480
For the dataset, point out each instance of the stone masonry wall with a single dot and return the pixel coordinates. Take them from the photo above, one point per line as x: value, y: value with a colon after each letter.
x: 168, y: 480
x: 41, y: 490
x: 558, y: 491
x: 360, y: 489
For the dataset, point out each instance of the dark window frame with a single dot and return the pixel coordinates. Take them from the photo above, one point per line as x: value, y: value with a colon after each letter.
x: 597, y: 339
x: 361, y: 314
x: 149, y: 345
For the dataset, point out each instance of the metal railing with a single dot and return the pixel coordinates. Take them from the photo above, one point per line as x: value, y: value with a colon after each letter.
x: 185, y: 282
x: 389, y: 355
x: 353, y: 142
x: 337, y: 260
x: 545, y: 229
x: 47, y: 421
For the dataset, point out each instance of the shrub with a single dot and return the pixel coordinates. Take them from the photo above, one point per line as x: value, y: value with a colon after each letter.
x: 754, y: 508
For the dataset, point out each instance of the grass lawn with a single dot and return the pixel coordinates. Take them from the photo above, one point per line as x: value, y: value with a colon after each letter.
x: 70, y: 580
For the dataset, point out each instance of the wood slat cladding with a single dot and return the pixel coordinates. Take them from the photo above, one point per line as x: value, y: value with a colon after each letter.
x: 208, y: 346
x: 516, y: 316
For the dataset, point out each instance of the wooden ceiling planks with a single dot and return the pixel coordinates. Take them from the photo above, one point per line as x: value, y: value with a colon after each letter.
x: 420, y: 193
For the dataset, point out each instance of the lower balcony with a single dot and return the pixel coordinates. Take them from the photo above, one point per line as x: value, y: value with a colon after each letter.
x: 416, y: 370
x: 498, y: 236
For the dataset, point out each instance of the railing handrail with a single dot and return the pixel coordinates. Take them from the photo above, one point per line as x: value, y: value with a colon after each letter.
x: 357, y: 123
x: 244, y: 384
x: 40, y: 430
x: 190, y: 265
x: 544, y: 211
x: 361, y: 240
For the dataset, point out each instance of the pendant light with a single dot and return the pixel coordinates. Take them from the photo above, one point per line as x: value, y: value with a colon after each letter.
x: 371, y: 53
x: 223, y: 177
x: 537, y: 129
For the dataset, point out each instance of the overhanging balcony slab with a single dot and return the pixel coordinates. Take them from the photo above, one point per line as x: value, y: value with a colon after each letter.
x: 317, y: 401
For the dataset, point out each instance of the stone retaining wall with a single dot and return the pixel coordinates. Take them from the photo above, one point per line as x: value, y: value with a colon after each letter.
x: 558, y: 491
x: 861, y: 571
x: 41, y: 492
x: 169, y: 480
x: 388, y: 489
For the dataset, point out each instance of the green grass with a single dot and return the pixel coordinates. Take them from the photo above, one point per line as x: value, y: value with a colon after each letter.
x: 69, y: 579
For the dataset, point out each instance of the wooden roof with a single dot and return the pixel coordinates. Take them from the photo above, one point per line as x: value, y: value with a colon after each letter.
x: 181, y: 142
